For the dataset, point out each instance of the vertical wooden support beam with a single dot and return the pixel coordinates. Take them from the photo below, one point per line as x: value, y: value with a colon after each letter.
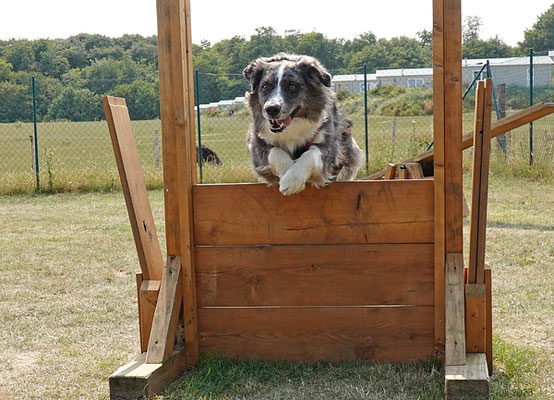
x: 147, y: 292
x: 447, y: 97
x: 480, y: 182
x: 455, y: 346
x: 488, y: 345
x: 476, y: 317
x: 438, y: 167
x: 179, y: 155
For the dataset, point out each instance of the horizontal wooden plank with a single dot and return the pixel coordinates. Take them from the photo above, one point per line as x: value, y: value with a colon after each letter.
x: 341, y: 213
x: 394, y: 333
x: 330, y: 275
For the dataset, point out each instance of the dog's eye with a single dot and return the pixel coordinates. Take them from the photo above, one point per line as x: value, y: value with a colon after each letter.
x: 292, y: 88
x: 266, y: 86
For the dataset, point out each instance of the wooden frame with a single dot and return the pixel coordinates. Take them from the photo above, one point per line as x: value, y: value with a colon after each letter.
x: 367, y: 270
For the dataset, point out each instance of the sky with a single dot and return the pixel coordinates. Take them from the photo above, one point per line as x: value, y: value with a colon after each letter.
x: 222, y: 19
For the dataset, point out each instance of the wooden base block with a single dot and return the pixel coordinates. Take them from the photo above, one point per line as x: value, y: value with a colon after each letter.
x: 468, y: 382
x: 138, y: 379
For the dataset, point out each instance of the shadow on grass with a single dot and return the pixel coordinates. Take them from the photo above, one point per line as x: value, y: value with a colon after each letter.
x: 530, y: 227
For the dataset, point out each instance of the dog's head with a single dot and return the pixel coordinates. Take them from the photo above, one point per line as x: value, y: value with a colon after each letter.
x: 285, y: 86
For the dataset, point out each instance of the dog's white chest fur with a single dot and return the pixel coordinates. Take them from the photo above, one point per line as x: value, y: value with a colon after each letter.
x: 296, y: 135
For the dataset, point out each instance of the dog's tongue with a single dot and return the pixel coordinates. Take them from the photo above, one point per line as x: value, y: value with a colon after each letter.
x: 285, y: 122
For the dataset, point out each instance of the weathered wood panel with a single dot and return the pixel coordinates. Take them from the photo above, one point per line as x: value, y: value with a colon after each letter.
x: 401, y: 333
x: 341, y: 213
x: 339, y: 275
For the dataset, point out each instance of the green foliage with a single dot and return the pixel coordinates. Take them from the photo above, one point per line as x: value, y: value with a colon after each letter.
x: 471, y: 28
x: 16, y: 102
x: 541, y: 36
x: 76, y: 105
x: 6, y: 70
x: 20, y: 55
x: 143, y: 99
x: 413, y: 102
x: 491, y: 48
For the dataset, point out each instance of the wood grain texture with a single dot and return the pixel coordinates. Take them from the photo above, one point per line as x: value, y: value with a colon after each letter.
x: 470, y: 381
x: 318, y: 275
x: 488, y: 349
x: 166, y: 315
x: 438, y: 172
x: 475, y: 317
x: 455, y: 339
x: 344, y: 212
x: 476, y: 181
x: 147, y: 298
x: 137, y: 378
x: 176, y: 108
x: 390, y: 171
x: 134, y: 188
x: 310, y: 334
x: 506, y: 124
x: 484, y: 186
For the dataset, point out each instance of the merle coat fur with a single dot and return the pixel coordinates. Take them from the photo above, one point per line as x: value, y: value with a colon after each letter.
x: 298, y: 134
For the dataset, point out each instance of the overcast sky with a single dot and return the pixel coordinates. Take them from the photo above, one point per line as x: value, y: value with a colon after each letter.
x: 222, y: 19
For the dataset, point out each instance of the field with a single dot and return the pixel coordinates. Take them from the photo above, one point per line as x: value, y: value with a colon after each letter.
x: 78, y: 155
x: 68, y: 315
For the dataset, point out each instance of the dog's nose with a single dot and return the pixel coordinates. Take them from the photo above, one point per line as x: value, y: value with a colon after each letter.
x: 273, y: 110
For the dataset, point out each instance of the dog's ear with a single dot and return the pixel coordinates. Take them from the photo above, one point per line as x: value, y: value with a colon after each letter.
x: 316, y: 69
x: 253, y: 73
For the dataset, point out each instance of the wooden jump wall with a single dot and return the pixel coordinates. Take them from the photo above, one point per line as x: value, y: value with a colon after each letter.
x: 339, y: 273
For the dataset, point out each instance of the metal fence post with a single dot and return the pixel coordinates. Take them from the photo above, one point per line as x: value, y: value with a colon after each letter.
x: 501, y: 138
x: 530, y: 104
x: 197, y: 90
x: 365, y: 113
x: 35, y: 147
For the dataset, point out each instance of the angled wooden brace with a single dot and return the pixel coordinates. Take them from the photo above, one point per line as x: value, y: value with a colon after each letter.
x: 158, y: 286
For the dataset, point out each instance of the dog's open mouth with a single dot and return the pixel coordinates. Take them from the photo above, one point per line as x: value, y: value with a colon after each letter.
x: 279, y: 125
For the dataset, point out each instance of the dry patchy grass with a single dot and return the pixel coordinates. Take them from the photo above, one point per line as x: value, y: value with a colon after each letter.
x: 68, y: 307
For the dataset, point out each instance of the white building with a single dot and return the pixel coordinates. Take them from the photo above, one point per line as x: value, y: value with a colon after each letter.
x: 512, y: 71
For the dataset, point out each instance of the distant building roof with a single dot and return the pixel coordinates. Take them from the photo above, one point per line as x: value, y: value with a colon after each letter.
x: 382, y: 73
x: 350, y: 78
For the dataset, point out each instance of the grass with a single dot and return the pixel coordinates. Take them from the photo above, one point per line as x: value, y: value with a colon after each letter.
x: 77, y: 156
x: 68, y: 314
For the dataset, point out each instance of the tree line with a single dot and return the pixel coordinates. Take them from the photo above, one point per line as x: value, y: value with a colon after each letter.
x: 72, y: 74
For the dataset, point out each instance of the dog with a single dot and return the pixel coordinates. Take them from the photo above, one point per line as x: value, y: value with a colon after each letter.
x: 298, y: 134
x: 208, y: 156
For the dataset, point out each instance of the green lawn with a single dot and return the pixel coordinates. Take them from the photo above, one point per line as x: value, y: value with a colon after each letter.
x: 79, y: 156
x: 68, y: 314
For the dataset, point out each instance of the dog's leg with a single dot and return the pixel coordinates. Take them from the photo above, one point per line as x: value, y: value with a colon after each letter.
x: 309, y: 163
x: 279, y: 161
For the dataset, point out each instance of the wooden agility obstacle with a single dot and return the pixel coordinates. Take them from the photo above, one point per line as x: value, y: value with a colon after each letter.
x: 368, y: 270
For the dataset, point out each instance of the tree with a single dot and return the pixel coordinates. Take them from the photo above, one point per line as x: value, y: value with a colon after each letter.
x: 143, y: 99
x: 471, y: 28
x: 20, y: 55
x: 6, y: 70
x: 16, y: 104
x: 541, y: 36
x: 491, y: 48
x: 76, y: 105
x: 426, y: 38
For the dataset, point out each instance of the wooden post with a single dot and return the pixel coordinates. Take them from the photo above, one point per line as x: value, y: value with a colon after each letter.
x: 179, y: 161
x: 480, y: 183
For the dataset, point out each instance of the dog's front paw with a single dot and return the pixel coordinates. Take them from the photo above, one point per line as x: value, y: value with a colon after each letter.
x: 291, y: 183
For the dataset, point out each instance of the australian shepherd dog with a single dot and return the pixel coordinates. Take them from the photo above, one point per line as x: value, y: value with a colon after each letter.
x: 298, y: 134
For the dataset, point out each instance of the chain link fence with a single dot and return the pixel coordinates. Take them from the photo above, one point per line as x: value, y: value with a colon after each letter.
x: 56, y: 139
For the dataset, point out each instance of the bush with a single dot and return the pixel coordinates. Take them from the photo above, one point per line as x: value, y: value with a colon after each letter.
x: 76, y: 105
